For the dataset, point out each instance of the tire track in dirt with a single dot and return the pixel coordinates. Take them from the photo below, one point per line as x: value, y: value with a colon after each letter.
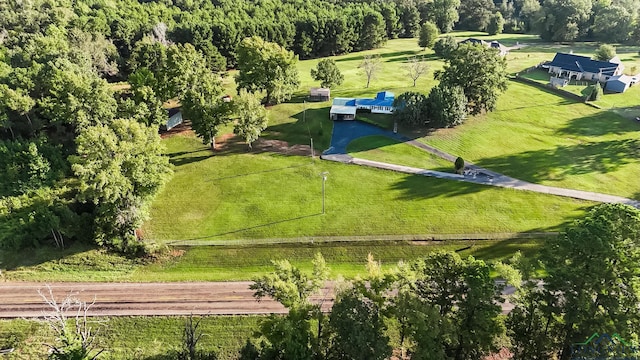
x: 21, y: 299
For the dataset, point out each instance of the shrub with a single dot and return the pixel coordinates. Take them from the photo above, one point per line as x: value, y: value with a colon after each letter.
x: 596, y: 94
x: 410, y: 109
x: 459, y: 165
x: 445, y: 46
x: 605, y: 52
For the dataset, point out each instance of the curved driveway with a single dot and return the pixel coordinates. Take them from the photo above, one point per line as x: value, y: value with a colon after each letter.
x: 346, y: 131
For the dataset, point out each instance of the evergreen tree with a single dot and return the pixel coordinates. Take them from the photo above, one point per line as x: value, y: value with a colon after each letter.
x: 428, y: 35
x: 327, y: 73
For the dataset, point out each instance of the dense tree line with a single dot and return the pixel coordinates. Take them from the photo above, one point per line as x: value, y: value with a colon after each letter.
x: 446, y: 307
x: 555, y: 20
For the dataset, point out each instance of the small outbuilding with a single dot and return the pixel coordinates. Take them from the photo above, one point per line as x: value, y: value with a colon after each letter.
x: 619, y: 84
x: 319, y: 94
x: 174, y: 119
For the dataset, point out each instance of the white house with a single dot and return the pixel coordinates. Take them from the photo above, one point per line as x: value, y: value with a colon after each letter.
x: 578, y: 67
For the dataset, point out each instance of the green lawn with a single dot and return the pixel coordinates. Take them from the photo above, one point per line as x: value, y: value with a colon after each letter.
x: 240, y: 195
x: 543, y: 138
x: 226, y: 263
x: 381, y: 148
x: 578, y: 87
x: 143, y: 338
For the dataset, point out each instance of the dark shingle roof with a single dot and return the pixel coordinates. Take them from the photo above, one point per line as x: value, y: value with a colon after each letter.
x: 173, y: 111
x: 579, y: 63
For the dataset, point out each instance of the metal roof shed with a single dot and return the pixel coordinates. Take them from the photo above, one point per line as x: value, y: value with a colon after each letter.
x: 618, y: 84
x: 342, y: 112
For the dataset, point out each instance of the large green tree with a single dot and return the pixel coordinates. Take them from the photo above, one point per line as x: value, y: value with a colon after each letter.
x: 564, y: 20
x: 592, y: 284
x: 411, y: 109
x: 463, y: 294
x: 328, y: 73
x: 120, y: 167
x: 475, y: 14
x: 268, y: 67
x: 613, y: 23
x: 445, y: 46
x: 443, y: 13
x: 251, y: 117
x: 358, y: 328
x: 446, y: 106
x: 480, y: 71
x: 409, y: 20
x: 207, y: 110
x: 496, y: 24
x: 428, y: 35
x: 291, y: 337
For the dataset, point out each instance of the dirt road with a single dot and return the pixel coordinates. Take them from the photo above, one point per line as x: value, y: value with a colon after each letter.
x: 21, y: 299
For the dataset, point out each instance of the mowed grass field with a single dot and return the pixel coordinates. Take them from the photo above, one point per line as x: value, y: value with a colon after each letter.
x: 241, y: 195
x: 540, y: 137
x: 227, y: 263
x: 384, y: 149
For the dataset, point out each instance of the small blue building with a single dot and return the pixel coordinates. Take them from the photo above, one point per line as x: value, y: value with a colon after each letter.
x: 346, y: 108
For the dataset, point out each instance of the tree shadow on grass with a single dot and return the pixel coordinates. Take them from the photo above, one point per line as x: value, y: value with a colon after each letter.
x: 262, y: 172
x: 413, y: 187
x: 181, y: 153
x: 504, y: 249
x: 314, y: 124
x: 602, y: 123
x: 188, y: 160
x: 383, y: 55
x: 13, y: 259
x: 557, y: 164
x: 237, y: 231
x: 428, y: 57
x: 175, y: 355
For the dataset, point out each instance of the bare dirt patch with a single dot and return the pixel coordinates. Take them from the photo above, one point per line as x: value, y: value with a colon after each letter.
x: 232, y: 143
x: 183, y: 129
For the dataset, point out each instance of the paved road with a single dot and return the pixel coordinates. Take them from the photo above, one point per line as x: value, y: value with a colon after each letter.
x: 346, y: 131
x: 21, y: 299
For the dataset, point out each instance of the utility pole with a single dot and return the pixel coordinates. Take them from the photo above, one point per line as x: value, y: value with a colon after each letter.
x: 324, y: 179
